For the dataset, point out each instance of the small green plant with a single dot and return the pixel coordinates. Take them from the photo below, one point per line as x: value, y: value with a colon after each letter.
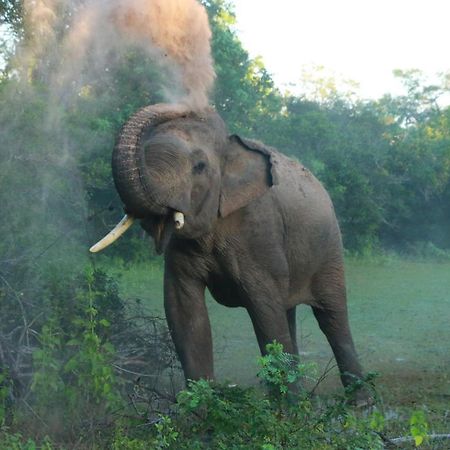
x: 90, y: 366
x: 15, y: 441
x: 5, y: 388
x: 123, y: 442
x: 47, y: 383
x: 166, y: 435
x: 418, y: 427
x: 74, y: 380
x: 280, y: 370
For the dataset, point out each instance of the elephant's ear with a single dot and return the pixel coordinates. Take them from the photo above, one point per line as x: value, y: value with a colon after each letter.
x: 248, y: 172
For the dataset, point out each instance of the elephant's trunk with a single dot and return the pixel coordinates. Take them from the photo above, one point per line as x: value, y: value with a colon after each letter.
x: 130, y: 172
x: 128, y: 161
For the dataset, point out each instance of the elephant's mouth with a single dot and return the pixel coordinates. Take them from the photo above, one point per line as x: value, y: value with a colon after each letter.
x: 161, y: 229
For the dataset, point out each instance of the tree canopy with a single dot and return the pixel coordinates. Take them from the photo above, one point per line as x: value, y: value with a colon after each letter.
x: 383, y: 161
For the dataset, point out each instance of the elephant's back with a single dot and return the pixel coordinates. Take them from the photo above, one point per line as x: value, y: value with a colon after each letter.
x: 301, y: 194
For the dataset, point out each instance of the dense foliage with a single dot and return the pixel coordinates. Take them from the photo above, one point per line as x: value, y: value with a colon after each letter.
x: 385, y: 162
x: 220, y: 416
x: 70, y: 348
x: 230, y: 417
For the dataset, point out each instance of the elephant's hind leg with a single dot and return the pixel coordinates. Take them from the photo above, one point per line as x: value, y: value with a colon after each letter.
x: 330, y: 311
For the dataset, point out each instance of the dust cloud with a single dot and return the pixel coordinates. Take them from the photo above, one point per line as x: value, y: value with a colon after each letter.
x: 174, y: 33
x: 40, y: 18
x: 180, y: 29
x: 68, y: 91
x: 69, y: 72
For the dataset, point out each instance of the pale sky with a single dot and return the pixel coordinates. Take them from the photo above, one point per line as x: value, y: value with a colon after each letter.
x: 363, y: 40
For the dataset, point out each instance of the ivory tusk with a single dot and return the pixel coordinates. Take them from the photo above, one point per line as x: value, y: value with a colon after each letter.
x: 114, y: 234
x: 178, y: 217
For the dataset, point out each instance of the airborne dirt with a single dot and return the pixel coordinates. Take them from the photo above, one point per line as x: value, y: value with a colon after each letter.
x: 175, y: 34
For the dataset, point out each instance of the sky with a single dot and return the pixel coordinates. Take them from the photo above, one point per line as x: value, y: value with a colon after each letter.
x: 361, y: 40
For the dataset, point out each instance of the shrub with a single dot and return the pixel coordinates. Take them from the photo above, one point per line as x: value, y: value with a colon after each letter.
x: 220, y: 416
x: 70, y: 358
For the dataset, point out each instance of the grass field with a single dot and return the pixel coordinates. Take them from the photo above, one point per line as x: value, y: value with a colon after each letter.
x: 400, y: 317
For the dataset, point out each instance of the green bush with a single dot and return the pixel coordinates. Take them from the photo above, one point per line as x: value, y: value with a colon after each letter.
x: 220, y: 416
x: 74, y: 385
x: 71, y: 357
x: 15, y: 441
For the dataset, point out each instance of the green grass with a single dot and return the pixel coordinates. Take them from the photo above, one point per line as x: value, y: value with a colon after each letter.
x: 400, y: 316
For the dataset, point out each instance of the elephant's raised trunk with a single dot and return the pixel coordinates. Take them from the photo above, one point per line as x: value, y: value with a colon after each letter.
x: 152, y: 177
x: 128, y: 163
x: 129, y: 169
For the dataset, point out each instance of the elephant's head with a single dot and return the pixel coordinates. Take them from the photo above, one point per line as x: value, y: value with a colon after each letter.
x: 179, y: 172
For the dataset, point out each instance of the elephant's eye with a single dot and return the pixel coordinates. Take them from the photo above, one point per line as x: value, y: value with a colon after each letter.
x: 199, y: 167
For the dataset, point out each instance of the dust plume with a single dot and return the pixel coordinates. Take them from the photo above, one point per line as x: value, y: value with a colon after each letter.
x: 174, y: 33
x: 180, y: 29
x: 40, y: 18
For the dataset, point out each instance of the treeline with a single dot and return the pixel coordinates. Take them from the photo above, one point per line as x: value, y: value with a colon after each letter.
x: 386, y: 163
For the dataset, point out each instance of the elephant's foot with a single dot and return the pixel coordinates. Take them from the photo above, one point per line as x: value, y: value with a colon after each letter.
x: 360, y: 397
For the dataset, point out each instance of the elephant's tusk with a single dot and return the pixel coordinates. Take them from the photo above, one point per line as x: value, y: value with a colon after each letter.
x: 114, y: 234
x: 178, y: 217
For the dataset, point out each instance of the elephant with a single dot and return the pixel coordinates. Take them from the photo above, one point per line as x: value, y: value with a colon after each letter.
x: 237, y: 217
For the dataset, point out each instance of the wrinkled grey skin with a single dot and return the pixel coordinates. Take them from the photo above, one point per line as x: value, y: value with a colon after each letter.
x: 260, y: 233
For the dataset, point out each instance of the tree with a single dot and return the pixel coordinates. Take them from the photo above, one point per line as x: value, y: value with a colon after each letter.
x: 11, y: 15
x: 245, y: 93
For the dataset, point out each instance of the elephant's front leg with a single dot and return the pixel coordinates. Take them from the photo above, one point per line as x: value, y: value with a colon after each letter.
x: 187, y: 317
x: 270, y: 324
x: 265, y: 305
